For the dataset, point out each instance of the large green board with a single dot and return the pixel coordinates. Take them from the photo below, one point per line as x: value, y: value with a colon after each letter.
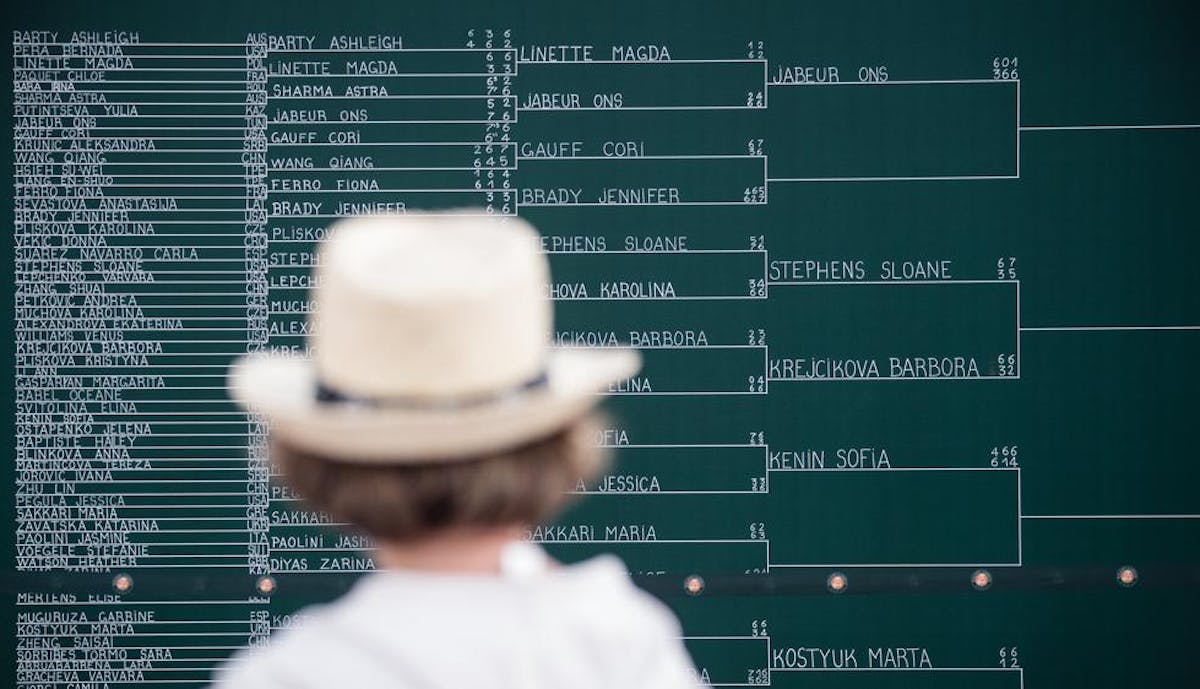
x: 916, y: 288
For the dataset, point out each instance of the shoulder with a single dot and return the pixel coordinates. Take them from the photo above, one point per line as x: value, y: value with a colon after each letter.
x: 640, y: 631
x: 604, y: 589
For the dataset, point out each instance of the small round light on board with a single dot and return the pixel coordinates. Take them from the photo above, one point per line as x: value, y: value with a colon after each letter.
x: 265, y: 585
x: 981, y: 579
x: 1127, y: 576
x: 836, y: 582
x: 693, y: 585
x: 122, y: 583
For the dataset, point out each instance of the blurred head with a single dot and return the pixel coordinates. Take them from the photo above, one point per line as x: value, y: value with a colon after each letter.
x: 405, y: 502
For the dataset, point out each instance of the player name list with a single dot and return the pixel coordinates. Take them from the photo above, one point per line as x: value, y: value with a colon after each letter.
x: 149, y: 178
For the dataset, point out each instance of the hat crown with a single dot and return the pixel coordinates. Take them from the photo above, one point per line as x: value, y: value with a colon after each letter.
x: 446, y: 305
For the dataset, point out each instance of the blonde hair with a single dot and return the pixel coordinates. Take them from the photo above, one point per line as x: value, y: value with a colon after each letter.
x: 404, y: 502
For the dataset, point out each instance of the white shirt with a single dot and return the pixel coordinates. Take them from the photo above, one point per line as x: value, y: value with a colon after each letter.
x: 582, y: 626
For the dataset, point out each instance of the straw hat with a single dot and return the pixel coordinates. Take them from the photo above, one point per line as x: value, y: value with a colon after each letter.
x: 430, y: 341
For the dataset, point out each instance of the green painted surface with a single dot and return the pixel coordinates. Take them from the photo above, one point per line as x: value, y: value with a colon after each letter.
x: 1042, y: 426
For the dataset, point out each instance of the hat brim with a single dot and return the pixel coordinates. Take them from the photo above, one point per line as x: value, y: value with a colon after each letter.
x: 283, y: 388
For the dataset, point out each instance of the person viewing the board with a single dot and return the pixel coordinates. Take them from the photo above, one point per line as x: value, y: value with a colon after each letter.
x: 436, y: 419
